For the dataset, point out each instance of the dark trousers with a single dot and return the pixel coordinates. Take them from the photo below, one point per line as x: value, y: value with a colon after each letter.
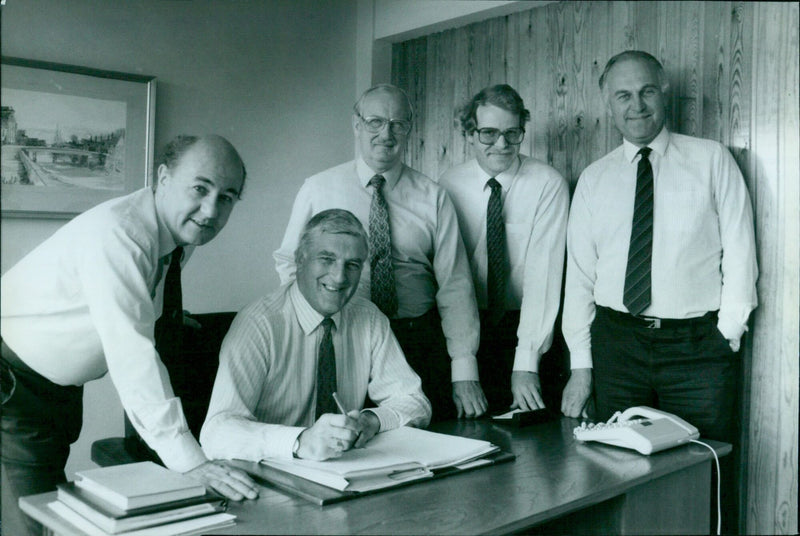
x: 496, y: 363
x: 686, y: 368
x: 40, y: 420
x: 425, y: 348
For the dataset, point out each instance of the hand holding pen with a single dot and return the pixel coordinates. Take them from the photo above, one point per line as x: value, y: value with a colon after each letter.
x: 368, y: 423
x: 330, y: 436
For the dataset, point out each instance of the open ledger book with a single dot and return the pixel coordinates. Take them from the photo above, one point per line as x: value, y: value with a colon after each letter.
x: 389, y: 459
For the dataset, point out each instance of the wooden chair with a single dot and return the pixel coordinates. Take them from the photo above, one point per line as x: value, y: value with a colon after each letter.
x: 192, y: 376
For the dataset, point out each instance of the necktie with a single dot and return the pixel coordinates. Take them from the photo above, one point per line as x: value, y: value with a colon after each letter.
x: 326, y: 371
x: 382, y: 289
x: 173, y: 296
x: 637, y: 275
x: 495, y: 249
x: 170, y: 333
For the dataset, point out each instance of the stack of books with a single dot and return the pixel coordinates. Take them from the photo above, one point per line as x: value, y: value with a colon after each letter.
x: 139, y: 499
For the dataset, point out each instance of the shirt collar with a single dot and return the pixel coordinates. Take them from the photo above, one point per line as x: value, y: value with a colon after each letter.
x: 365, y: 173
x: 505, y: 178
x: 166, y: 244
x: 658, y: 145
x: 307, y: 316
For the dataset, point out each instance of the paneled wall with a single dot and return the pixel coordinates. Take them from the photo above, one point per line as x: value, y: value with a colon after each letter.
x: 733, y: 71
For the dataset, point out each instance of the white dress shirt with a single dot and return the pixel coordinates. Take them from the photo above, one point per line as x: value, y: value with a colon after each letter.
x: 704, y: 256
x: 535, y: 207
x: 430, y: 264
x: 264, y: 395
x: 85, y: 302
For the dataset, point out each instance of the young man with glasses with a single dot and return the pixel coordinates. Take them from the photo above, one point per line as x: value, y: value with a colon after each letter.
x: 418, y: 273
x: 512, y: 212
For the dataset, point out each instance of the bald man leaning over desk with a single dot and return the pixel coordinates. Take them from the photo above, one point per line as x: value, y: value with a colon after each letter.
x: 84, y: 303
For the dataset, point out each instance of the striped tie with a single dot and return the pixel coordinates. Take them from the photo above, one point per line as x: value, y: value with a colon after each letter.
x: 382, y: 289
x: 495, y: 250
x: 326, y: 371
x: 637, y: 276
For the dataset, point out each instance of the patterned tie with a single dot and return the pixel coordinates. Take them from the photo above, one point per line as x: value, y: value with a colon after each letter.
x: 382, y: 289
x: 495, y: 249
x: 326, y: 371
x: 637, y: 276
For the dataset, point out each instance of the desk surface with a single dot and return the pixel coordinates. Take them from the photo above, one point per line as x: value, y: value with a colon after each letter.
x: 553, y: 475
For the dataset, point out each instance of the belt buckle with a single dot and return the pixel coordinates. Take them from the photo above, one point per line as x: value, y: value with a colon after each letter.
x: 654, y: 323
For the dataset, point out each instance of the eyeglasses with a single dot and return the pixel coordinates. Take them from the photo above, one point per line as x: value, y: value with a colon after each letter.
x: 375, y: 123
x: 489, y: 136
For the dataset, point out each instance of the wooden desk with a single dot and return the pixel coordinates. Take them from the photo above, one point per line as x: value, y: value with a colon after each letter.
x: 556, y: 484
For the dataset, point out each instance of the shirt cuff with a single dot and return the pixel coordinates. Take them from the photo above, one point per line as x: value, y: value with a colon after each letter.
x: 464, y: 369
x: 580, y: 360
x: 281, y: 441
x: 526, y: 361
x: 388, y: 418
x: 730, y: 329
x: 182, y: 454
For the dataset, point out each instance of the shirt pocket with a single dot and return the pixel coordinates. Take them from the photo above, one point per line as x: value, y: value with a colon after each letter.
x: 682, y: 214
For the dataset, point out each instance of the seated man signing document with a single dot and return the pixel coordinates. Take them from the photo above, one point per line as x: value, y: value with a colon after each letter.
x: 287, y: 353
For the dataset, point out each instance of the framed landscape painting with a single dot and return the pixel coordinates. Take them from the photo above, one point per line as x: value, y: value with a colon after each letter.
x: 72, y: 137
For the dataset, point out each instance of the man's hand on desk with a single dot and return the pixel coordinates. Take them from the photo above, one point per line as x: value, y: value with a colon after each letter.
x: 527, y: 390
x: 576, y: 394
x: 469, y: 399
x: 331, y: 435
x: 226, y: 480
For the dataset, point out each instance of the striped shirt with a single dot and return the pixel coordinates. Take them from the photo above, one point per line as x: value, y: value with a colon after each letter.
x: 264, y: 395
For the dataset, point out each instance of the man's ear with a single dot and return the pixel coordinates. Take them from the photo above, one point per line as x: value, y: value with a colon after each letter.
x: 355, y: 123
x: 161, y: 174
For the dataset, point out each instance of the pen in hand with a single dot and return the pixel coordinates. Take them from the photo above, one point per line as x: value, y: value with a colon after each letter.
x: 344, y: 412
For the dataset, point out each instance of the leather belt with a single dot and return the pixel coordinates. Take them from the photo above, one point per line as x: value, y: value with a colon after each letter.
x: 656, y: 323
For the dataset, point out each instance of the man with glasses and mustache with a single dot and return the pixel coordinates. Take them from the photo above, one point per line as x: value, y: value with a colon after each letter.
x: 418, y: 273
x: 512, y: 212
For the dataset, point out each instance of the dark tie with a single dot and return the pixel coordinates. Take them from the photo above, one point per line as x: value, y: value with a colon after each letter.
x: 170, y: 334
x: 382, y: 289
x: 173, y: 297
x: 637, y: 276
x: 326, y: 371
x: 495, y: 250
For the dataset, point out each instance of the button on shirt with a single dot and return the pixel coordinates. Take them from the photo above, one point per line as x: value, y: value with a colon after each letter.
x: 264, y: 395
x: 430, y: 264
x: 703, y: 238
x: 535, y: 208
x: 85, y: 302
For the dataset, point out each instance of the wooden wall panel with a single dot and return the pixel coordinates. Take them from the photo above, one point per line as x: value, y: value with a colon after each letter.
x: 733, y: 72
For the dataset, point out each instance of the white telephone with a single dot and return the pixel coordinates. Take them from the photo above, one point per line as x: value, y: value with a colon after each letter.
x: 655, y: 430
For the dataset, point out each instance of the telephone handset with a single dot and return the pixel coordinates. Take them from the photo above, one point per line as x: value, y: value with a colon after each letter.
x: 640, y: 428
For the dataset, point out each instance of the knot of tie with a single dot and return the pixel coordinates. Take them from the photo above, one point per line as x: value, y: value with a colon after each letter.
x: 493, y: 184
x: 377, y: 181
x: 645, y: 152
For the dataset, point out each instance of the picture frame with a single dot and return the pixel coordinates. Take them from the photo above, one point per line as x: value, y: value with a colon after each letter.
x: 72, y: 137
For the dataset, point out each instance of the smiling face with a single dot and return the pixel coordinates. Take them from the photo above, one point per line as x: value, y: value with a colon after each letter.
x: 195, y: 197
x: 498, y: 157
x: 381, y: 150
x: 329, y: 269
x: 635, y: 99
